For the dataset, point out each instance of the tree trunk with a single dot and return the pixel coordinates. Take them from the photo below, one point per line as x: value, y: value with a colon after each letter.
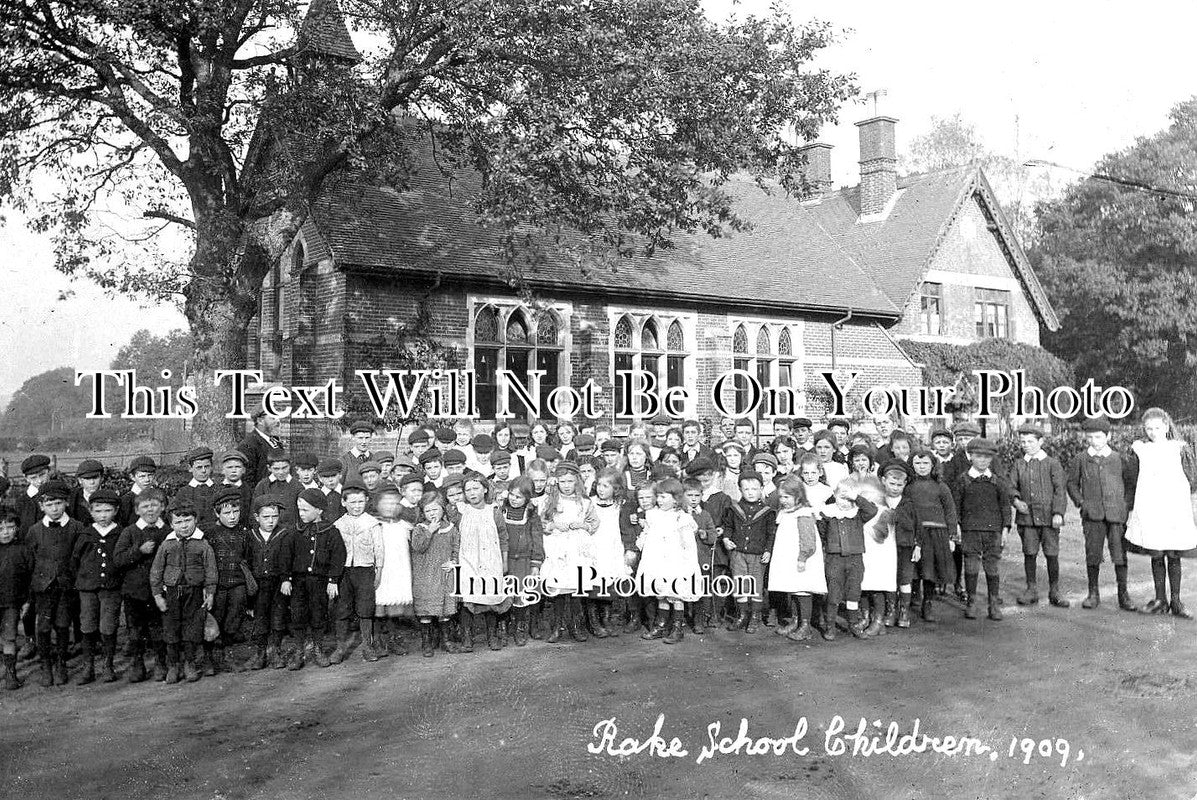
x: 221, y: 300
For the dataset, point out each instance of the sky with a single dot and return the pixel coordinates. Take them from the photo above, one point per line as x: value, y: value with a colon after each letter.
x: 1058, y: 81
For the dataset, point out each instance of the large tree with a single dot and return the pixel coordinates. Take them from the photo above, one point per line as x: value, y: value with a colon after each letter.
x: 613, y: 122
x: 1118, y: 258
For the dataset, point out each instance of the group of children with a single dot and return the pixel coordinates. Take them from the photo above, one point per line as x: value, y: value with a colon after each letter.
x: 876, y: 527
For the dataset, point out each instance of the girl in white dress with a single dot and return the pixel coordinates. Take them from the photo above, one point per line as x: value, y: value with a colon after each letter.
x: 1161, y: 520
x: 796, y: 565
x: 881, y: 548
x: 482, y: 556
x: 569, y: 523
x: 669, y: 556
x: 393, y: 597
x: 609, y: 558
x: 833, y: 471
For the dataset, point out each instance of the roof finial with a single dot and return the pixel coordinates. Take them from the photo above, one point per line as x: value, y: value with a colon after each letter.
x: 876, y: 95
x: 324, y: 33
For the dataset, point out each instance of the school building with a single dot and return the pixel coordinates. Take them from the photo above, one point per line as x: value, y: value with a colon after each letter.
x: 838, y: 277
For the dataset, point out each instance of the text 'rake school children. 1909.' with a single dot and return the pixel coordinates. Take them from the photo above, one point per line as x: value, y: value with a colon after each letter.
x: 262, y: 556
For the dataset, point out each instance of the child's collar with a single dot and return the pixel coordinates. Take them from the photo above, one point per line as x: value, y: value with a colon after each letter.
x: 63, y: 520
x: 194, y: 483
x: 1040, y: 455
x: 197, y: 534
x: 1102, y: 453
x: 974, y: 473
x: 107, y: 529
x: 834, y: 510
x: 142, y: 524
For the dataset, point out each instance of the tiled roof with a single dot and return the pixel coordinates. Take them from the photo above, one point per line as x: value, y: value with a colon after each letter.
x: 799, y: 255
x: 324, y: 31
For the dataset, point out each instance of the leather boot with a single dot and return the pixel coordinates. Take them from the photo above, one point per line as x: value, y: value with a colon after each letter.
x: 501, y: 627
x: 89, y: 660
x: 970, y: 607
x: 794, y: 622
x: 520, y: 635
x: 137, y: 672
x: 174, y: 669
x: 491, y: 623
x: 596, y: 620
x: 1054, y: 598
x: 314, y: 652
x: 633, y: 623
x: 696, y: 621
x: 159, y: 662
x: 426, y: 647
x: 108, y: 671
x: 995, y: 598
x: 534, y: 617
x: 660, y: 628
x: 259, y: 659
x: 341, y: 651
x: 605, y: 617
x: 677, y: 627
x: 876, y: 626
x: 191, y: 670
x: 467, y: 630
x: 1159, y: 576
x: 890, y: 611
x: 61, y: 674
x: 740, y: 621
x: 1175, y: 606
x: 554, y: 615
x: 1094, y: 598
x: 856, y: 623
x: 903, y: 610
x: 11, y: 681
x: 1124, y: 601
x: 577, y: 622
x: 928, y: 612
x: 754, y: 617
x: 208, y: 661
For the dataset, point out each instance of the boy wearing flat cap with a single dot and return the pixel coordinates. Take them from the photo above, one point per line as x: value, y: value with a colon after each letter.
x: 98, y: 582
x: 90, y: 474
x: 51, y: 541
x: 232, y: 468
x: 36, y: 469
x: 983, y: 499
x: 269, y: 544
x: 329, y: 474
x: 135, y: 551
x: 199, y: 491
x: 141, y: 473
x: 183, y: 581
x: 230, y: 544
x: 1040, y: 500
x: 1101, y: 482
x: 312, y: 566
x: 279, y: 484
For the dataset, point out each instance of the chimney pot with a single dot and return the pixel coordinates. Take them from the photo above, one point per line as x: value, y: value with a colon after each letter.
x: 878, y: 164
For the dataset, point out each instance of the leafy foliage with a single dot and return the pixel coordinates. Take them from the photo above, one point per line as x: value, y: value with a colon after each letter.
x: 1120, y: 265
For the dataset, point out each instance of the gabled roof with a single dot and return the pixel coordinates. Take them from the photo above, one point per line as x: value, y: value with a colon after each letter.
x: 324, y: 32
x: 811, y: 256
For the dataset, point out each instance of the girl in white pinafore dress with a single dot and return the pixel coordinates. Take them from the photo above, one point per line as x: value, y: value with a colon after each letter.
x: 669, y: 556
x: 569, y: 523
x: 482, y: 555
x: 1161, y: 521
x: 609, y: 559
x: 796, y: 564
x: 881, y: 546
x: 393, y: 597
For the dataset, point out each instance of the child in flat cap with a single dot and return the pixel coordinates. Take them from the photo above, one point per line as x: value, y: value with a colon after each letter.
x: 313, y: 567
x: 1040, y: 500
x: 983, y: 499
x: 1101, y: 482
x: 51, y: 541
x: 98, y: 581
x: 135, y: 551
x: 230, y: 543
x: 269, y: 545
x: 183, y: 581
x: 16, y: 569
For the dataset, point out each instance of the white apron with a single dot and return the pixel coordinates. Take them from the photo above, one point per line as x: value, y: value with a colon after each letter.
x: 567, y: 551
x: 880, y: 558
x: 394, y: 588
x: 1162, y: 518
x: 608, y: 546
x: 784, y: 575
x: 479, y: 554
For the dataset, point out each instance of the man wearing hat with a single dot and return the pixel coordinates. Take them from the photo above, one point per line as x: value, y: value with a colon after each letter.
x: 198, y: 492
x: 51, y: 542
x: 257, y: 445
x: 141, y: 473
x: 984, y: 504
x: 359, y: 452
x: 1040, y: 500
x: 36, y: 469
x: 1100, y: 481
x: 90, y: 474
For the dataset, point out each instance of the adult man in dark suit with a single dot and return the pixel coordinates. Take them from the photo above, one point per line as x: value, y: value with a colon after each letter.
x: 260, y: 441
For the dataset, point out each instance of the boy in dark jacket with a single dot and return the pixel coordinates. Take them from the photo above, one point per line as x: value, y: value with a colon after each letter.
x: 135, y: 550
x: 16, y: 568
x: 230, y: 544
x: 98, y: 581
x: 269, y: 544
x: 198, y: 492
x: 1101, y: 482
x: 183, y: 582
x: 141, y: 472
x: 718, y: 505
x: 51, y: 540
x: 1040, y: 500
x: 701, y: 613
x: 282, y: 486
x: 313, y: 564
x: 640, y: 610
x: 749, y: 543
x: 841, y: 527
x: 983, y: 500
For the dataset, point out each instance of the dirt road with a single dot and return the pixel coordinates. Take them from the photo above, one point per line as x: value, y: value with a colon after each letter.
x: 517, y: 723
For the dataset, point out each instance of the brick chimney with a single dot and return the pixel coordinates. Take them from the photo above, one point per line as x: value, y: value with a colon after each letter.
x: 878, y: 164
x: 817, y: 169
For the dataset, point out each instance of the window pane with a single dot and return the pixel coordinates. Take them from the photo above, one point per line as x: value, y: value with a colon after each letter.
x: 676, y: 339
x: 783, y: 373
x: 762, y: 377
x: 740, y: 340
x: 676, y: 372
x: 486, y: 362
x: 548, y: 361
x: 486, y: 325
x: 517, y: 363
x: 648, y: 337
x: 623, y: 334
x: 762, y: 341
x: 623, y: 362
x: 546, y: 329
x: 517, y: 327
x: 741, y: 385
x: 652, y: 364
x: 784, y: 346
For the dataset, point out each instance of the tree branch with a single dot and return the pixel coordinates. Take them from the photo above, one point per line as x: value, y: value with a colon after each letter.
x: 165, y: 215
